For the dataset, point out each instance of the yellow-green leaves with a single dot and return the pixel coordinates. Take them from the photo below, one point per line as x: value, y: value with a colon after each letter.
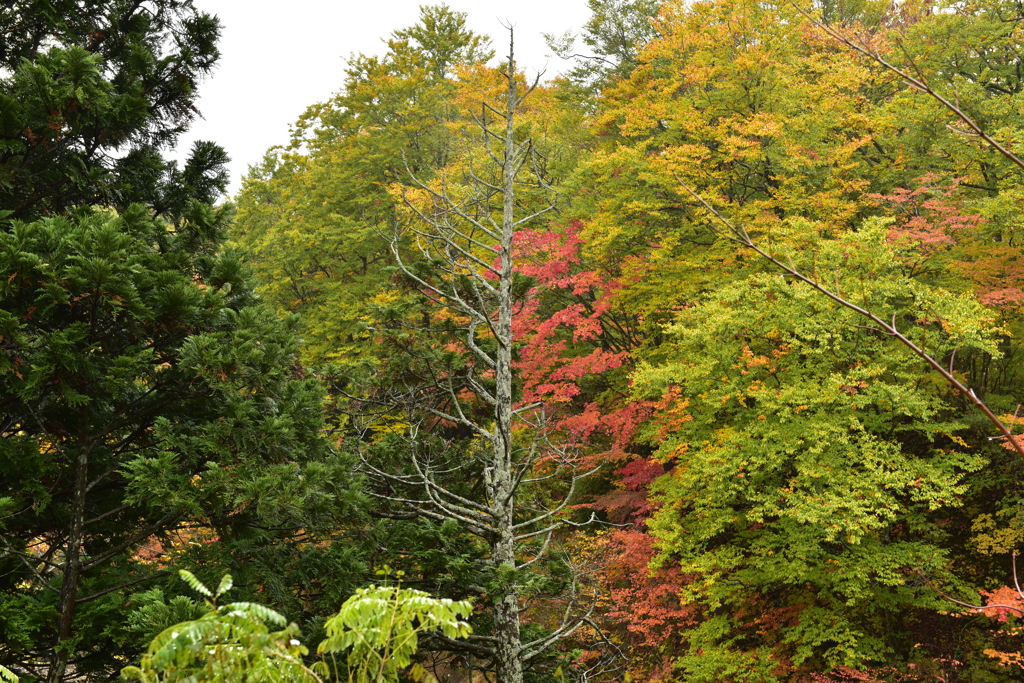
x: 818, y: 452
x: 379, y: 629
x: 231, y: 643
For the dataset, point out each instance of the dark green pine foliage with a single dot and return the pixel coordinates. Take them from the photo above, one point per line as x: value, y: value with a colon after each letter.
x: 153, y: 414
x: 90, y: 95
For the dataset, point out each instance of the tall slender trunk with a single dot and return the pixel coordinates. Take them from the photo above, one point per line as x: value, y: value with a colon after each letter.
x: 508, y: 648
x: 72, y: 567
x: 508, y: 661
x: 490, y: 306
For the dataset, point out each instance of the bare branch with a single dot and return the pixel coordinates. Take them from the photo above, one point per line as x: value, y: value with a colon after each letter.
x: 740, y: 235
x: 918, y: 83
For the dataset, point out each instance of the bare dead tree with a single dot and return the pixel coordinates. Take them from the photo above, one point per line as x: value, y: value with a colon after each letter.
x: 465, y: 268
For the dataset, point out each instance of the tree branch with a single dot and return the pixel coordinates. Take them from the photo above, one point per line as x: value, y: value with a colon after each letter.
x: 740, y: 235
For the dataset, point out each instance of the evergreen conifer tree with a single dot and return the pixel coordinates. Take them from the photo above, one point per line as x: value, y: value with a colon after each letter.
x: 149, y: 399
x: 153, y: 412
x: 92, y: 94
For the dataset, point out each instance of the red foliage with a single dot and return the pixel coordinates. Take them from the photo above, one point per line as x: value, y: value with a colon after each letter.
x: 572, y: 331
x: 934, y: 219
x: 1002, y: 603
x: 646, y: 613
x: 929, y: 215
x: 932, y: 670
x: 630, y: 502
x: 565, y: 345
x: 550, y: 373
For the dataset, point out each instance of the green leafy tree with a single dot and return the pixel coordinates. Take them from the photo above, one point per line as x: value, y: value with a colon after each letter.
x: 814, y: 467
x: 316, y: 217
x: 229, y: 643
x: 614, y: 35
x: 378, y: 628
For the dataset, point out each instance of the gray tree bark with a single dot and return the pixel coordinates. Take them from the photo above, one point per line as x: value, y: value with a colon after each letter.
x: 463, y: 240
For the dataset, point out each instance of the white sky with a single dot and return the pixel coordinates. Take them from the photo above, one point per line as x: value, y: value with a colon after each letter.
x: 279, y: 56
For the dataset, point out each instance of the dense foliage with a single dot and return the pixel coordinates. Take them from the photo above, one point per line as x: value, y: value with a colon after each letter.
x: 803, y: 490
x: 568, y: 386
x: 92, y: 94
x: 154, y: 412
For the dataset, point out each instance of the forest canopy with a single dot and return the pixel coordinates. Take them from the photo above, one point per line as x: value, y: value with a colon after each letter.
x: 696, y: 363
